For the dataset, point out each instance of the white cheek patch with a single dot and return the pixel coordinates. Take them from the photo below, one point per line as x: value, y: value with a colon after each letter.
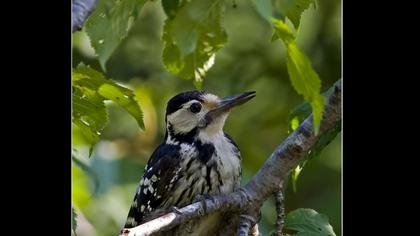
x: 184, y: 120
x: 174, y: 116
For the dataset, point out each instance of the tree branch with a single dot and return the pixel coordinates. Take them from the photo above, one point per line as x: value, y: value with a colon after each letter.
x: 81, y: 9
x: 265, y: 183
x: 227, y: 202
x: 248, y: 222
x: 280, y: 210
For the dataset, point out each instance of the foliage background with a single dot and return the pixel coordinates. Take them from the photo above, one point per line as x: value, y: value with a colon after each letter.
x: 249, y: 61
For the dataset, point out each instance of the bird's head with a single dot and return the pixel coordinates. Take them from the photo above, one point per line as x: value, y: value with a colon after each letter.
x: 191, y: 112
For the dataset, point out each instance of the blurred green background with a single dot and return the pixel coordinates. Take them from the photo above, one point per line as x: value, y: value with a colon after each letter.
x: 249, y: 61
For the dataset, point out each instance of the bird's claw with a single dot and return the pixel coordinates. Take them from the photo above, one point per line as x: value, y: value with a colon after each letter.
x: 202, y: 199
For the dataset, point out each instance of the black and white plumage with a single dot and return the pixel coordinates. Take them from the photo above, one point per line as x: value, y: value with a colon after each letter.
x: 196, y: 159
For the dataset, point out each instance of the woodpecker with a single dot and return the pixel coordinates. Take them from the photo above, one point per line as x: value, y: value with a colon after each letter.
x: 195, y: 159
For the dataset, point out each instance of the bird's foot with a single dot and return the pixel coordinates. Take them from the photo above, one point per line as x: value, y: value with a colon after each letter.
x: 202, y: 199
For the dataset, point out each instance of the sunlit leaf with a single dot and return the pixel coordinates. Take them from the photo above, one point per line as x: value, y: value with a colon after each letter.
x: 308, y: 222
x: 282, y: 31
x: 109, y: 24
x: 294, y: 124
x: 305, y: 81
x: 295, y: 174
x: 86, y: 77
x: 192, y: 38
x: 303, y: 77
x: 298, y: 115
x: 89, y: 114
x: 90, y: 90
x: 124, y: 98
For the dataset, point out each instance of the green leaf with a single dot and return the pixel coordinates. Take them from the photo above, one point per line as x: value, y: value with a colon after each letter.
x: 280, y: 9
x: 192, y: 38
x: 295, y: 9
x: 88, y: 170
x: 295, y: 174
x: 282, y: 31
x: 298, y: 115
x: 124, y: 98
x: 303, y: 77
x: 73, y: 220
x: 109, y: 24
x: 302, y: 111
x: 294, y: 123
x: 305, y: 81
x: 170, y: 7
x: 89, y: 114
x: 88, y: 78
x: 308, y: 222
x: 90, y: 90
x: 264, y: 8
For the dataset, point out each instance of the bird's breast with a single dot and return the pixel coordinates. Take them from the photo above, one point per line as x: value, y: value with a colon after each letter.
x: 211, y: 165
x: 208, y: 166
x: 219, y: 162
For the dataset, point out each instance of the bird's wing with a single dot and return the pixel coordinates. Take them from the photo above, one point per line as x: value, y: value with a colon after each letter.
x: 236, y: 150
x: 160, y: 172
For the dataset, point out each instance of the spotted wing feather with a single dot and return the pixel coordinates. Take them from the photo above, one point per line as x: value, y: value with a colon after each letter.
x: 154, y: 187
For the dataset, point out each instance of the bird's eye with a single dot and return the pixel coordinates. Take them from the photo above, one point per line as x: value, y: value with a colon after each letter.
x: 195, y: 107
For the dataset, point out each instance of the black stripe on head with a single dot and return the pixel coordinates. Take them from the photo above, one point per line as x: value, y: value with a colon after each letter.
x: 176, y: 102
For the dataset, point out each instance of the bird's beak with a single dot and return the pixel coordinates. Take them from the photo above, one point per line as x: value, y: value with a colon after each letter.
x: 225, y: 105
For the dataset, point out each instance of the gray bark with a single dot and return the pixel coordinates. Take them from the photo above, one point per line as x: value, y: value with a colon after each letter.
x: 280, y: 210
x: 81, y: 9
